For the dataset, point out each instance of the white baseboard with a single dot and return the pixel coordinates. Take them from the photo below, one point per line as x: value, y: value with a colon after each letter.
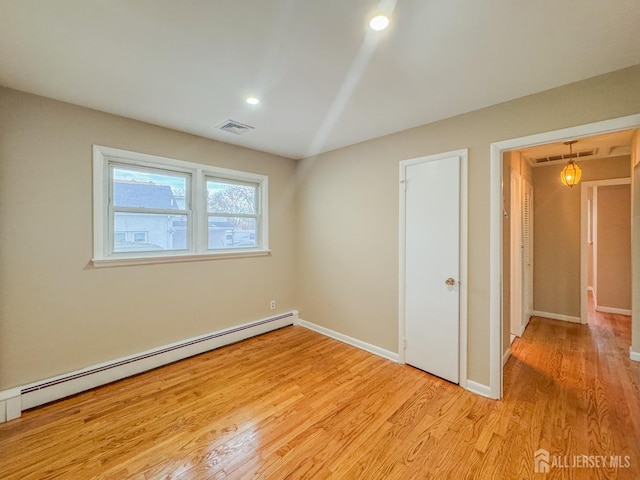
x: 524, y: 326
x: 54, y: 388
x: 506, y: 356
x: 617, y: 311
x: 469, y: 385
x: 10, y: 407
x: 556, y: 316
x: 593, y: 292
x: 479, y: 388
x: 354, y: 342
x: 635, y: 356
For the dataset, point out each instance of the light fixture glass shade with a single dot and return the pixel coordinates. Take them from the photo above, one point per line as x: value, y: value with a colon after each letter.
x: 571, y: 174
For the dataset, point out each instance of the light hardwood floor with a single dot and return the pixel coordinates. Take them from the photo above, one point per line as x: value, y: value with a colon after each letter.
x: 295, y: 404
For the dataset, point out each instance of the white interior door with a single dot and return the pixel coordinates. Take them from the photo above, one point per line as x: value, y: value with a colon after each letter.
x: 432, y: 266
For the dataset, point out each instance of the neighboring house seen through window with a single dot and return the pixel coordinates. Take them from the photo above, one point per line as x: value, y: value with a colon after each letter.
x: 143, y: 207
x: 148, y: 207
x: 233, y: 213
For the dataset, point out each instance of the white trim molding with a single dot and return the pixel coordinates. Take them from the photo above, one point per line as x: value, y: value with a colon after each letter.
x: 120, y: 262
x: 595, y: 297
x: 505, y: 357
x: 525, y: 324
x: 635, y: 356
x: 617, y: 311
x: 13, y: 401
x: 10, y: 405
x: 354, y: 342
x: 479, y: 388
x: 556, y: 316
x: 495, y: 223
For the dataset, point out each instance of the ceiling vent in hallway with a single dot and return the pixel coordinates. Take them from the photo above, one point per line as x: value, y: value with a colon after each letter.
x: 563, y: 156
x: 235, y: 127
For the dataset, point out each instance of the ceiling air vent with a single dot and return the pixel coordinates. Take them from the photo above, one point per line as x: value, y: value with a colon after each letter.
x: 563, y: 157
x: 235, y: 127
x: 620, y: 150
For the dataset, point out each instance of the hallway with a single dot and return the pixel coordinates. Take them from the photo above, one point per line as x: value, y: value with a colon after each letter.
x: 580, y: 392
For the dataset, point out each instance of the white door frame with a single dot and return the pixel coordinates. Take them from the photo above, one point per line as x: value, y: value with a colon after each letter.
x: 495, y: 224
x: 464, y: 155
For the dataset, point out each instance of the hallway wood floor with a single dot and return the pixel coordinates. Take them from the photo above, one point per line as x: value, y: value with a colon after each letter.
x: 295, y: 404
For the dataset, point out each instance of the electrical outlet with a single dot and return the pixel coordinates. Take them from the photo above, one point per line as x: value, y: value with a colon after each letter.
x: 272, y: 305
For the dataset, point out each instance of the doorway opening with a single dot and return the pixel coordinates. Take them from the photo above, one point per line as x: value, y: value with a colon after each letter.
x: 572, y: 217
x: 606, y: 247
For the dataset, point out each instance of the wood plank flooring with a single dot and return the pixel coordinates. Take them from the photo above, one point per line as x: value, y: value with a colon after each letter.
x: 295, y: 404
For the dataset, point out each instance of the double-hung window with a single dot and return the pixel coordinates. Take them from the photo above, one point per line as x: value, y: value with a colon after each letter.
x: 150, y: 209
x: 233, y: 213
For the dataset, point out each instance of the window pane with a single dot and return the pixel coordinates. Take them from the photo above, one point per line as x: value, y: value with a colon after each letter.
x: 148, y: 189
x: 149, y: 232
x: 230, y: 198
x: 232, y: 232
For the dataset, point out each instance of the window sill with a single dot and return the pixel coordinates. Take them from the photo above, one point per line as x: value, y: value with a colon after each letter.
x: 198, y: 257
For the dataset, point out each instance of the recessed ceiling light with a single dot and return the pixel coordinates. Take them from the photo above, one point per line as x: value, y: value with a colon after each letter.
x: 379, y: 23
x: 253, y: 101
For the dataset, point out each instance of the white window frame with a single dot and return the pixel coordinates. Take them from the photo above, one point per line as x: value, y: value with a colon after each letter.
x: 103, y: 256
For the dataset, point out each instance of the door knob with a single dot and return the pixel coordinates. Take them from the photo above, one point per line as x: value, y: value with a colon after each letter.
x: 450, y: 281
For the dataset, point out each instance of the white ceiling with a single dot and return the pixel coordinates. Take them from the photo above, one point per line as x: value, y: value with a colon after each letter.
x: 324, y: 78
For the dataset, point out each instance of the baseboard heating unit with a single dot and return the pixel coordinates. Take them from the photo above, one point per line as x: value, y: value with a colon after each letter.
x: 62, y: 386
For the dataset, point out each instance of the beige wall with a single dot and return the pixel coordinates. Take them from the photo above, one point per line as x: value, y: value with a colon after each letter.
x: 614, y: 246
x: 56, y: 313
x: 347, y: 256
x: 556, y: 269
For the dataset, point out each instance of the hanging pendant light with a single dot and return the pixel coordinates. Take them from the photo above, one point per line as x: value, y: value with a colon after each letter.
x: 571, y: 172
